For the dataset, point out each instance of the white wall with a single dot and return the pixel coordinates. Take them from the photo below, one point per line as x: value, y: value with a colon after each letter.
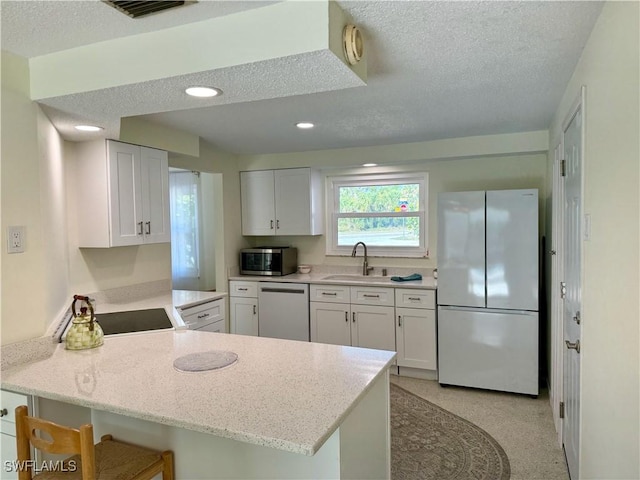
x: 609, y: 68
x: 473, y: 172
x: 34, y: 283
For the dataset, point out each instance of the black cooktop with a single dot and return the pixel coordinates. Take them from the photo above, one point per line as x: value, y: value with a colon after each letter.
x: 134, y: 321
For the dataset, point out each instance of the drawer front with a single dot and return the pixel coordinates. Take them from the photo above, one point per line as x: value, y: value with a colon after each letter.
x: 372, y: 296
x: 413, y: 298
x: 206, y: 313
x: 243, y: 289
x: 9, y: 401
x: 329, y: 293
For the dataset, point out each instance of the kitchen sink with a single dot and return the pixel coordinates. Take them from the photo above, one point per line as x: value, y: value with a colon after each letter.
x: 358, y: 278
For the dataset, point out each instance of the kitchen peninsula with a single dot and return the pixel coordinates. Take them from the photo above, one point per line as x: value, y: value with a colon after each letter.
x: 285, y: 409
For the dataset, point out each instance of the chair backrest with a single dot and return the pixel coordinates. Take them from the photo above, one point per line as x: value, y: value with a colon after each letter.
x: 63, y: 440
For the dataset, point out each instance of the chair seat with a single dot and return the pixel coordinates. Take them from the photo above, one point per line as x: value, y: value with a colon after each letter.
x: 114, y: 461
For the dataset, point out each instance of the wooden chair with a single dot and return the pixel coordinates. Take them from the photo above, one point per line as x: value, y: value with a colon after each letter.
x: 109, y: 459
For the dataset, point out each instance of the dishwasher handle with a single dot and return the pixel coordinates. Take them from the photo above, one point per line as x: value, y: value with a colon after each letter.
x: 281, y: 290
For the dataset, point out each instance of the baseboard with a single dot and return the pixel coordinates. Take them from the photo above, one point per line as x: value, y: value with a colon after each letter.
x: 418, y: 373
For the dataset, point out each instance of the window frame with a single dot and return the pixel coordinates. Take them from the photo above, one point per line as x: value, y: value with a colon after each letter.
x: 334, y: 182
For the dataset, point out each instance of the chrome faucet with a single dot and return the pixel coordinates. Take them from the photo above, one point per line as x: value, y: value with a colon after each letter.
x: 365, y: 266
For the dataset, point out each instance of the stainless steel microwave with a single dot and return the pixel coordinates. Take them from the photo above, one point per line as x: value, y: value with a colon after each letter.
x: 274, y: 261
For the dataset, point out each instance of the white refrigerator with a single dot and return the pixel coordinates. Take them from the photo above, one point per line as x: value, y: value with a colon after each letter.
x: 488, y: 290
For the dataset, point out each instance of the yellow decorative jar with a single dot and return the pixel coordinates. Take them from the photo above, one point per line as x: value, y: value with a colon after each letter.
x: 85, y: 332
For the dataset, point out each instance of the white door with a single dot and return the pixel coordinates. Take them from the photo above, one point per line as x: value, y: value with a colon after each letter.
x: 257, y: 198
x: 572, y: 302
x: 461, y: 249
x: 155, y: 195
x: 330, y: 323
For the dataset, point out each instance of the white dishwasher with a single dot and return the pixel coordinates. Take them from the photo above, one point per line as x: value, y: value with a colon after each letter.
x: 284, y: 310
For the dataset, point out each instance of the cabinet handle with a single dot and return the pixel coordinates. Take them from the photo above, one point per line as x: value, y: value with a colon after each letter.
x: 354, y: 317
x: 3, y: 412
x: 371, y: 296
x: 148, y: 228
x: 243, y: 289
x: 277, y: 224
x: 139, y: 228
x: 329, y: 294
x: 203, y: 316
x: 399, y: 320
x: 414, y: 299
x: 346, y: 317
x: 254, y: 310
x: 271, y: 224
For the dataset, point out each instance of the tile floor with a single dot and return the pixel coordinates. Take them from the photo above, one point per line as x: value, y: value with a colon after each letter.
x: 523, y: 426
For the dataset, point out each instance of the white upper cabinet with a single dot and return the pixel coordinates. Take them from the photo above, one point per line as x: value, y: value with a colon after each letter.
x: 122, y: 195
x: 281, y: 202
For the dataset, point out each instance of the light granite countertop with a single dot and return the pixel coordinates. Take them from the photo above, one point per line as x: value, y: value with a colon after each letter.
x: 283, y: 394
x: 347, y: 278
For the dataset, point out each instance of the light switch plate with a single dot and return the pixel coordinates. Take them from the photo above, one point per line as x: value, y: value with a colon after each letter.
x: 15, y: 239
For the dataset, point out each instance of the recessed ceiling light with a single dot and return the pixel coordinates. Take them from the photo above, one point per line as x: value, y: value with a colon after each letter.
x: 203, y: 91
x: 369, y: 164
x: 304, y: 125
x: 88, y: 128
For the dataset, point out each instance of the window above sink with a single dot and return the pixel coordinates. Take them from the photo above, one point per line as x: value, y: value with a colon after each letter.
x: 385, y: 211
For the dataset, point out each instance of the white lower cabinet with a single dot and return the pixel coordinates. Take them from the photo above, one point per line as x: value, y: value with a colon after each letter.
x: 373, y: 327
x: 9, y: 453
x: 206, y: 317
x: 416, y: 329
x: 243, y: 306
x: 369, y: 325
x: 330, y: 323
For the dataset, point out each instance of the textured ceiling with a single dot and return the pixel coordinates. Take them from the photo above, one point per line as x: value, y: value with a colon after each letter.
x: 435, y: 70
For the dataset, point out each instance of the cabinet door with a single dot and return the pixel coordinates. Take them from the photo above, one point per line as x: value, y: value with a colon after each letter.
x: 330, y: 323
x: 373, y: 327
x: 125, y: 196
x: 416, y: 338
x: 154, y: 187
x: 293, y: 201
x: 9, y: 455
x: 258, y: 208
x: 244, y: 316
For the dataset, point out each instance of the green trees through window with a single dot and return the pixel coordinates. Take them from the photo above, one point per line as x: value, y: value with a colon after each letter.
x: 379, y: 214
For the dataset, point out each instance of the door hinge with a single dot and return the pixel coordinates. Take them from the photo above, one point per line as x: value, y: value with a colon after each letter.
x: 561, y: 409
x: 563, y: 289
x: 563, y: 168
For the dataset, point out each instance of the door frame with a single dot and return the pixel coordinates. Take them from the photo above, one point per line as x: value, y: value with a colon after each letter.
x: 558, y: 345
x: 557, y: 275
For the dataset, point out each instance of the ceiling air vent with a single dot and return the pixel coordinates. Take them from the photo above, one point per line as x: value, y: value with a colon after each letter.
x: 139, y: 9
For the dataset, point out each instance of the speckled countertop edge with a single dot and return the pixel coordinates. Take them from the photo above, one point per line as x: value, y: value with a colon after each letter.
x: 33, y: 377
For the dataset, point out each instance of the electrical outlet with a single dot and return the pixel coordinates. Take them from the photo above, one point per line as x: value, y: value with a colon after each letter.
x: 15, y: 239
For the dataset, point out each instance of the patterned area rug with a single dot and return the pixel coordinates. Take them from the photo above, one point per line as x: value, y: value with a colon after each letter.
x: 428, y: 442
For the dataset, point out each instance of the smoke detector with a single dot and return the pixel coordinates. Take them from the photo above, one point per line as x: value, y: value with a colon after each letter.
x: 138, y: 9
x: 353, y: 44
